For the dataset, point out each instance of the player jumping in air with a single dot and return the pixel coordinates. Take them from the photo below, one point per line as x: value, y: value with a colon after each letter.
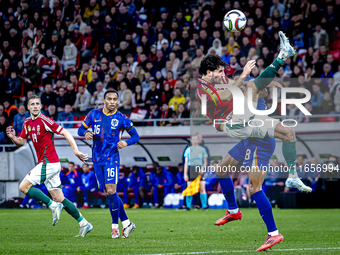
x: 107, y: 126
x: 41, y: 129
x: 251, y: 152
x: 212, y: 68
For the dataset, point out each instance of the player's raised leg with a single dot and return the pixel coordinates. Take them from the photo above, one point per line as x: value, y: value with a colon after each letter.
x: 267, y: 76
x: 287, y: 135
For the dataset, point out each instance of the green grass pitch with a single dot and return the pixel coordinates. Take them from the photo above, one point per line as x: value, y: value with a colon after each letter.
x: 169, y: 231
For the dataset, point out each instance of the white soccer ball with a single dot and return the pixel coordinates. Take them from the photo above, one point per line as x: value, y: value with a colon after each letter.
x: 235, y: 20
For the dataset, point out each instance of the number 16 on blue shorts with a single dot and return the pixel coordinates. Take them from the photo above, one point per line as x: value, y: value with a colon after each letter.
x: 107, y: 174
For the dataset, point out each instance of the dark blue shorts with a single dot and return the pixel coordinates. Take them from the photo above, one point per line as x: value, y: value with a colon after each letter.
x: 106, y: 174
x: 254, y: 152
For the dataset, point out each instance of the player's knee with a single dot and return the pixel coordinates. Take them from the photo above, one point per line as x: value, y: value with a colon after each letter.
x: 23, y: 188
x: 255, y: 185
x: 290, y: 134
x: 140, y: 189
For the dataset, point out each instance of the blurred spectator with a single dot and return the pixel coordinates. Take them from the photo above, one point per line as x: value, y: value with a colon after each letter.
x: 113, y: 70
x: 167, y: 94
x: 61, y: 100
x: 89, y: 10
x: 48, y: 97
x: 153, y: 94
x: 69, y: 54
x: 177, y: 99
x: 70, y: 95
x: 88, y: 43
x: 166, y: 114
x: 160, y: 180
x: 14, y: 85
x: 52, y: 113
x: 180, y: 113
x: 19, y: 118
x: 88, y: 184
x: 83, y: 99
x: 316, y: 98
x: 66, y: 115
x: 125, y: 97
x: 293, y: 112
x: 326, y: 105
x: 327, y: 73
x: 153, y: 113
x: 320, y: 37
x: 72, y: 182
x: 86, y: 74
x: 131, y: 81
x: 138, y: 98
x: 33, y: 76
x: 98, y: 95
x: 137, y: 183
x: 195, y: 64
x: 91, y: 86
x: 3, y: 125
x: 10, y: 109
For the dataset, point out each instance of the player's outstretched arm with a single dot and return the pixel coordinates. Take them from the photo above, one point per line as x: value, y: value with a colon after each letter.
x: 18, y: 141
x: 246, y: 72
x: 83, y: 157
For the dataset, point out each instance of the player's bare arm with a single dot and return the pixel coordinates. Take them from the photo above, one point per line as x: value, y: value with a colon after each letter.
x: 226, y: 95
x: 83, y: 157
x: 186, y: 166
x: 18, y: 141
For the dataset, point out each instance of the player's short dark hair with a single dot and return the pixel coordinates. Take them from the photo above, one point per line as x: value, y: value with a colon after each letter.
x: 33, y: 97
x: 211, y: 63
x: 110, y: 91
x: 71, y: 162
x: 135, y: 168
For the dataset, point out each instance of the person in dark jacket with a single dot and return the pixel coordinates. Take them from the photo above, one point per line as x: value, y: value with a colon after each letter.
x: 108, y: 31
x: 14, y: 85
x: 161, y: 180
x: 137, y: 181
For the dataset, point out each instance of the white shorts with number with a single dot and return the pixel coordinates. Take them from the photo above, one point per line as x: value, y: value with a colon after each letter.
x: 48, y: 173
x: 259, y: 127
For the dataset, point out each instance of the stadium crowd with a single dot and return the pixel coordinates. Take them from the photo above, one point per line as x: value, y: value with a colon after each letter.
x: 71, y: 52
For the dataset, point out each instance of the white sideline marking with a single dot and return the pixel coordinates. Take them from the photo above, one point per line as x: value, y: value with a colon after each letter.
x: 244, y: 251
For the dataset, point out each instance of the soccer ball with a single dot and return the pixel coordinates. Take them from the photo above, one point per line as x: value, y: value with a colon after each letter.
x: 235, y: 20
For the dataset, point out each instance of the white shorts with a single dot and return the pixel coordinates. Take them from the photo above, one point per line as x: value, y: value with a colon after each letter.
x: 48, y: 173
x: 259, y: 127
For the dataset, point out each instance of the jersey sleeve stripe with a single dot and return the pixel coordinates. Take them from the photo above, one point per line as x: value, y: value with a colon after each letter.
x: 47, y: 119
x: 85, y: 125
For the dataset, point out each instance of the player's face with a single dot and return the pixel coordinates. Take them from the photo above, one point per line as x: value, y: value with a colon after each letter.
x: 111, y: 101
x: 34, y: 107
x: 216, y: 76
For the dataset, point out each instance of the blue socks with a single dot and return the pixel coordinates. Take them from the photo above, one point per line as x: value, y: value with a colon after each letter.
x: 188, y: 199
x: 122, y: 214
x: 227, y: 186
x: 265, y: 210
x: 114, y: 207
x: 204, y: 200
x: 136, y: 191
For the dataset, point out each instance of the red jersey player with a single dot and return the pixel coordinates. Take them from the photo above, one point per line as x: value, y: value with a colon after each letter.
x: 41, y: 129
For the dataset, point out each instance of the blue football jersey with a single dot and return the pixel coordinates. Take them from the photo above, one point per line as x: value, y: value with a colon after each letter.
x: 107, y: 130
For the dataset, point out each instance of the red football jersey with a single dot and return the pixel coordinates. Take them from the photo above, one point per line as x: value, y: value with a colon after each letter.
x: 222, y: 108
x: 41, y: 132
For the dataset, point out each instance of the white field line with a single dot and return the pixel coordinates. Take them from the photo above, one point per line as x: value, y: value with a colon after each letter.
x: 245, y: 251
